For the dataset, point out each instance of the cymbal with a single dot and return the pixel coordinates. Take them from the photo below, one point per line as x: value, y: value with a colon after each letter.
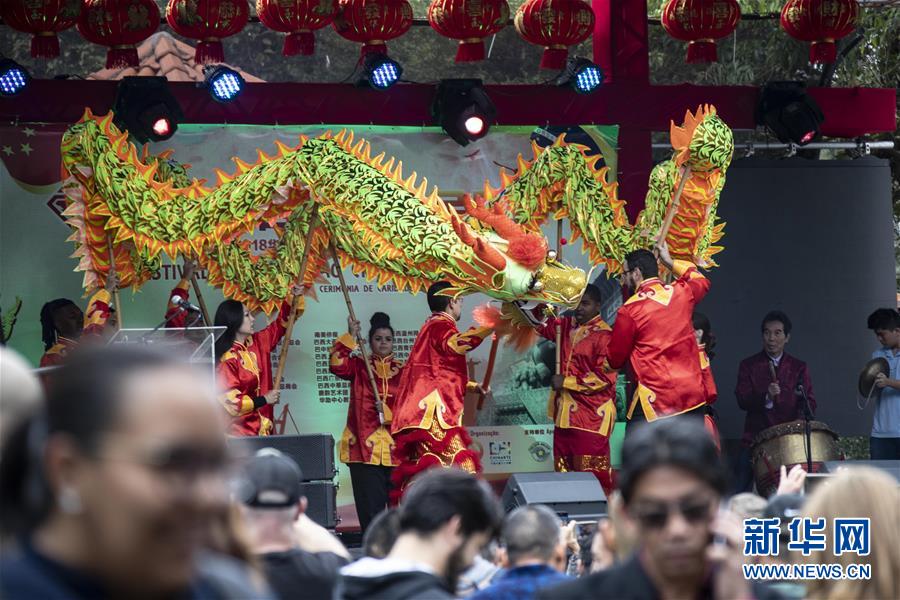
x: 870, y: 373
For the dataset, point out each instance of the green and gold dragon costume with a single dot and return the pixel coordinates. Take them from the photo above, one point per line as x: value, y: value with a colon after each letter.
x: 385, y: 226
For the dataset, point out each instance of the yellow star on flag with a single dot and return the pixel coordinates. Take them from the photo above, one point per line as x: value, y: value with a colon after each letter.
x: 27, y: 149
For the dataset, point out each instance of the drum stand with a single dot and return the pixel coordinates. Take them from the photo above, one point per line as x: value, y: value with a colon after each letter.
x: 807, y: 430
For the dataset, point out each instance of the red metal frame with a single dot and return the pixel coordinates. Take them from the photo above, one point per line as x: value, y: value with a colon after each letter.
x: 629, y: 100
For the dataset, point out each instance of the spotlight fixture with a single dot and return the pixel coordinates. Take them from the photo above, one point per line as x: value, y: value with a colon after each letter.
x: 146, y: 109
x: 13, y: 77
x: 581, y: 75
x: 380, y: 71
x: 463, y: 109
x: 224, y: 84
x: 786, y: 110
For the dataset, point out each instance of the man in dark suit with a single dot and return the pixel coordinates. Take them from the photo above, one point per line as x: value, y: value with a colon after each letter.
x: 771, y: 386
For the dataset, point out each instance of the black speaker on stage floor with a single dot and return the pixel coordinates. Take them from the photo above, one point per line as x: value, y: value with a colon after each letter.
x: 314, y: 452
x: 577, y: 496
x: 322, y: 502
x: 891, y: 467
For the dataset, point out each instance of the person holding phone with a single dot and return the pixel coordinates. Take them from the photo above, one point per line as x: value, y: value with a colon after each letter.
x: 672, y: 482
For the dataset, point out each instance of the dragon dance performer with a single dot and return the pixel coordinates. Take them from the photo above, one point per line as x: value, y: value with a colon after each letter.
x: 428, y: 408
x: 654, y: 334
x: 706, y: 341
x: 244, y: 365
x: 583, y: 401
x: 64, y: 325
x: 367, y: 446
x: 177, y: 316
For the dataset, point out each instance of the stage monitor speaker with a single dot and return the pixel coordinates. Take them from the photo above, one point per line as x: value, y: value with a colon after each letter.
x: 577, y: 496
x: 314, y: 452
x: 322, y: 502
x: 891, y: 467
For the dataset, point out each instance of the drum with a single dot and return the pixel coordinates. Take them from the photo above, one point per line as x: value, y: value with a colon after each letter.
x: 785, y: 444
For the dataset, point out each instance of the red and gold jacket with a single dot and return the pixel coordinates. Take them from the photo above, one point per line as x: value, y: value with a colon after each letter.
x: 588, y: 398
x: 654, y: 333
x: 245, y: 373
x: 365, y: 439
x: 709, y: 384
x: 95, y: 319
x: 434, y: 380
x: 178, y: 318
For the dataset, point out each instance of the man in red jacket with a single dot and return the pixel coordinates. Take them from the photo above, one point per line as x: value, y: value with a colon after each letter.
x: 583, y: 401
x: 770, y: 387
x: 654, y: 333
x: 428, y: 407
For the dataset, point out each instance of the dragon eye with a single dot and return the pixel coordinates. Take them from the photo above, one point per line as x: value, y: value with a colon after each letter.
x: 551, y: 254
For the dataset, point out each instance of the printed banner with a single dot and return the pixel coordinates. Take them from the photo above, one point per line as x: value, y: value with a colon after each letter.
x: 35, y: 265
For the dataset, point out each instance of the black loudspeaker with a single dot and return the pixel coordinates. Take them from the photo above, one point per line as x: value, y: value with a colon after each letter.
x: 322, y: 506
x: 891, y: 467
x: 577, y: 496
x: 314, y: 453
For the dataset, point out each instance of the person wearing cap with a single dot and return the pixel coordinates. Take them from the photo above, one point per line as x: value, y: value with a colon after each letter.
x: 299, y: 557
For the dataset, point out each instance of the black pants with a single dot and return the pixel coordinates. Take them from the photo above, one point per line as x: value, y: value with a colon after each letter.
x: 371, y: 484
x: 884, y: 448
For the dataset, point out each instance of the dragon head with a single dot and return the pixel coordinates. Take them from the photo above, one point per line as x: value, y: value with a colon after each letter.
x: 524, y: 268
x: 704, y: 141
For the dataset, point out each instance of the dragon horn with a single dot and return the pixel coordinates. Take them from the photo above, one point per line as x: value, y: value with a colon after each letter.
x: 483, y: 250
x: 495, y: 217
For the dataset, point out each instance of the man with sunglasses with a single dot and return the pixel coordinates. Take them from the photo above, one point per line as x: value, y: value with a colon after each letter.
x: 672, y: 482
x: 654, y: 334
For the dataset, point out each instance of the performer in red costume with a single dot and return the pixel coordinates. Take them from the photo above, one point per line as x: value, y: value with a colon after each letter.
x: 427, y: 424
x: 583, y: 401
x: 706, y: 341
x: 63, y: 325
x: 654, y: 334
x: 177, y: 316
x: 244, y: 365
x: 367, y: 446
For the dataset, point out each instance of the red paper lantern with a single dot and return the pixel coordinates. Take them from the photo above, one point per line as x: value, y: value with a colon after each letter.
x: 298, y: 19
x: 43, y: 19
x: 373, y: 22
x: 556, y: 25
x: 700, y: 23
x: 119, y: 24
x: 820, y: 22
x: 207, y: 21
x: 469, y: 21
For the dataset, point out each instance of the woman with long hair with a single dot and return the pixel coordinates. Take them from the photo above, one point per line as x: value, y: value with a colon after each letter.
x: 63, y: 323
x: 244, y: 365
x: 858, y: 493
x: 707, y: 341
x: 366, y: 446
x: 112, y: 486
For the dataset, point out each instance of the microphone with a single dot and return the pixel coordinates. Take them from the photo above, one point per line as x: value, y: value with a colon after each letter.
x: 799, y: 389
x: 182, y: 303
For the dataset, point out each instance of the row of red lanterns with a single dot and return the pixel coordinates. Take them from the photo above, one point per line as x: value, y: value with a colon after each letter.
x: 702, y: 22
x: 554, y: 24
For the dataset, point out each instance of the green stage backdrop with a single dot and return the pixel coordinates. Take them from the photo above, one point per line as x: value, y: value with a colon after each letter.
x: 35, y: 265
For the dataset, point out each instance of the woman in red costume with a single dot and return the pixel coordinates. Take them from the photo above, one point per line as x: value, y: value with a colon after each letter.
x: 244, y: 365
x: 367, y: 446
x: 707, y: 341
